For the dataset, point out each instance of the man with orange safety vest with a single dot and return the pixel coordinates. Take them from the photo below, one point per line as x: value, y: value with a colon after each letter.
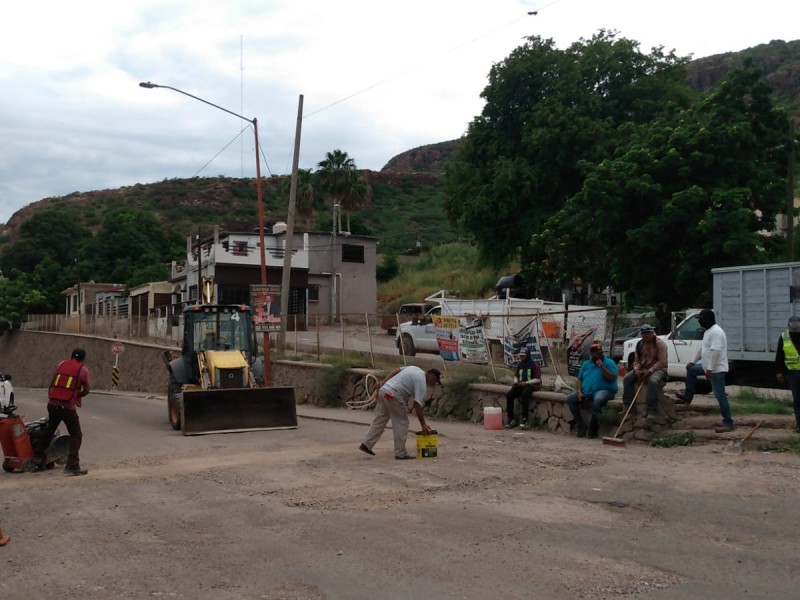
x: 787, y: 360
x: 69, y: 385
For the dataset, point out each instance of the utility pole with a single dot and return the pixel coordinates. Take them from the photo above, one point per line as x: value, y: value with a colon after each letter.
x: 286, y: 280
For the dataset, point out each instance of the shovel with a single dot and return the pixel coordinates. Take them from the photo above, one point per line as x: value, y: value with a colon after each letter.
x: 616, y: 440
x: 735, y: 447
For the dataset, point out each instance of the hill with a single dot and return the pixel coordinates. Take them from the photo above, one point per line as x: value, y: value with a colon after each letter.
x: 403, y: 203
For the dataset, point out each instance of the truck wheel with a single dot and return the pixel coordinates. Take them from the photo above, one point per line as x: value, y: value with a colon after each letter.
x: 174, y: 393
x: 703, y: 386
x: 408, y: 346
x: 7, y: 467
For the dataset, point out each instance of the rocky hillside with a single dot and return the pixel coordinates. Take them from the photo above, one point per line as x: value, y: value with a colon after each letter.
x: 186, y: 204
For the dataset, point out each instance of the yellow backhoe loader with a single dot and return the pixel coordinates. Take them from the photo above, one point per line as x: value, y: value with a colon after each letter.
x: 216, y: 384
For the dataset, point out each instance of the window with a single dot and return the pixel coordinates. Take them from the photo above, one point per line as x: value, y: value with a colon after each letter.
x: 240, y: 248
x: 352, y: 253
x: 690, y: 330
x: 313, y: 293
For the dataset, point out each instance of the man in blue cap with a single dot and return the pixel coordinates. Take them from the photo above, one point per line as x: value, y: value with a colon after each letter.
x: 649, y: 369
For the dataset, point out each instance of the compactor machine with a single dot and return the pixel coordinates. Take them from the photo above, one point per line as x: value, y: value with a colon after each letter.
x: 217, y: 383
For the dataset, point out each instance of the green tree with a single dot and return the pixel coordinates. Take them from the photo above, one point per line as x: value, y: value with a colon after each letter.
x: 129, y: 239
x: 50, y: 233
x: 389, y: 268
x: 686, y: 194
x: 546, y: 111
x: 17, y: 299
x: 338, y: 177
x: 147, y: 274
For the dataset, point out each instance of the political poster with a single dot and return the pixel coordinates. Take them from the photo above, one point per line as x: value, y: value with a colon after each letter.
x: 516, y: 343
x: 578, y: 349
x: 266, y: 303
x: 447, y: 330
x: 472, y: 347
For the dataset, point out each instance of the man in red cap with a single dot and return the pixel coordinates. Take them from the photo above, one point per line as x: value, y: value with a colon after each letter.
x: 69, y: 385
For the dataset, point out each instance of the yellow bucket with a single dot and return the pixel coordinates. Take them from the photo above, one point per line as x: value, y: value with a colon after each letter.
x: 426, y: 444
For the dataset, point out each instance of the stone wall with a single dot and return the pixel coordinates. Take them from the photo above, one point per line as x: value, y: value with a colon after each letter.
x: 31, y: 356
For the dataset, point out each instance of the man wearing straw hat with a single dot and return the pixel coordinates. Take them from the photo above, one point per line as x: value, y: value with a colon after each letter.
x: 400, y: 385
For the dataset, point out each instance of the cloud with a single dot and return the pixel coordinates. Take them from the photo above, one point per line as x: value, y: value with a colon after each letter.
x: 377, y: 78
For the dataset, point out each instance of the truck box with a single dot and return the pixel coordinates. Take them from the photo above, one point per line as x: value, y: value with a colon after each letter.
x: 501, y: 320
x: 752, y: 304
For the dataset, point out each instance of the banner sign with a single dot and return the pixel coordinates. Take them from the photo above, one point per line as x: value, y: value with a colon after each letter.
x: 266, y: 304
x: 516, y: 343
x: 578, y: 350
x: 473, y: 341
x: 446, y: 329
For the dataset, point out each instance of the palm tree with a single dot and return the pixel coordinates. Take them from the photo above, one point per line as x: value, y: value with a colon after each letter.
x: 305, y: 195
x: 338, y: 176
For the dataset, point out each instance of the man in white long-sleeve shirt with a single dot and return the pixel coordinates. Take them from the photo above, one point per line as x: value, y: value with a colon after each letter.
x: 711, y: 360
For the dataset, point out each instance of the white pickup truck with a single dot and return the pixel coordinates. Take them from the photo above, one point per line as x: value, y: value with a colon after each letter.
x: 752, y: 304
x: 418, y: 334
x: 682, y: 346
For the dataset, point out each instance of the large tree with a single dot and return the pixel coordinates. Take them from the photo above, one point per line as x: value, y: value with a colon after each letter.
x: 338, y: 177
x: 685, y: 194
x: 546, y: 111
x: 129, y: 239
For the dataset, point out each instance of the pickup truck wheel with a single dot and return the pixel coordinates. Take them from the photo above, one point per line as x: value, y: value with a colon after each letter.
x: 408, y: 346
x: 702, y: 386
x: 174, y: 392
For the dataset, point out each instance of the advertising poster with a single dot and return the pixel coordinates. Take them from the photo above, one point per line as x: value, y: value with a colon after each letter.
x: 446, y: 329
x: 515, y: 344
x: 266, y: 304
x: 578, y: 349
x: 473, y: 341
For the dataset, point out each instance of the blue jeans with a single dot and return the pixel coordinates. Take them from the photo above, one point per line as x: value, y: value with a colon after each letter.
x: 599, y: 399
x: 717, y: 385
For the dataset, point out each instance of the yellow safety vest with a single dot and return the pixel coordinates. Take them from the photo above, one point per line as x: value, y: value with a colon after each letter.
x: 790, y: 354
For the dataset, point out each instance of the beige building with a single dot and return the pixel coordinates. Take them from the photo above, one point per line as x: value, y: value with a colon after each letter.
x: 332, y: 274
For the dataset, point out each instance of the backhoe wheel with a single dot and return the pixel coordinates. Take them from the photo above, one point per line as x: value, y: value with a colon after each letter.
x: 174, y: 396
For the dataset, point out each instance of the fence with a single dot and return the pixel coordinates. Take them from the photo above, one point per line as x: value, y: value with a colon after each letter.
x: 559, y: 338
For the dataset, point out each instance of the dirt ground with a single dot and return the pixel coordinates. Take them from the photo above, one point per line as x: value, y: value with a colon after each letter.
x: 303, y: 515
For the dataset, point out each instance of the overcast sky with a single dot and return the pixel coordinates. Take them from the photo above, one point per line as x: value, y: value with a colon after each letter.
x: 377, y: 77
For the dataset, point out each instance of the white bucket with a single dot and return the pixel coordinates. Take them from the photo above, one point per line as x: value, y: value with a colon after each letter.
x: 492, y: 417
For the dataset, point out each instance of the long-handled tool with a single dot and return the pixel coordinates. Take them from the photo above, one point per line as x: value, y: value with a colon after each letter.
x: 616, y: 440
x: 735, y: 446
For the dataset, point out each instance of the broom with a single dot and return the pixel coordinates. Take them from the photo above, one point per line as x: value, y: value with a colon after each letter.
x: 616, y: 440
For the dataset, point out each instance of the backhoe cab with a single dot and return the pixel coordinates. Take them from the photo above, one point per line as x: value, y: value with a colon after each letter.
x: 216, y: 384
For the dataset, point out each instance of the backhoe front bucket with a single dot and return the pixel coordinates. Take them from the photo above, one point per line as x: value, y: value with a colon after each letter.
x: 241, y: 409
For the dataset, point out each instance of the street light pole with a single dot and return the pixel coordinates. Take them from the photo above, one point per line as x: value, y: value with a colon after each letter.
x: 260, y: 201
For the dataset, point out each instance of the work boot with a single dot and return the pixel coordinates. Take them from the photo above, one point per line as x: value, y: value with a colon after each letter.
x: 723, y: 428
x: 75, y: 471
x: 581, y: 429
x: 512, y: 423
x: 593, y: 427
x: 682, y: 398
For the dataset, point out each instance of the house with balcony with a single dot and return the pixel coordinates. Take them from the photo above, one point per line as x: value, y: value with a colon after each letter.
x: 332, y: 274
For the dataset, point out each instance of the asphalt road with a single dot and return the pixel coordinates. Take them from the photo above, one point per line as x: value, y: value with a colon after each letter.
x: 301, y: 514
